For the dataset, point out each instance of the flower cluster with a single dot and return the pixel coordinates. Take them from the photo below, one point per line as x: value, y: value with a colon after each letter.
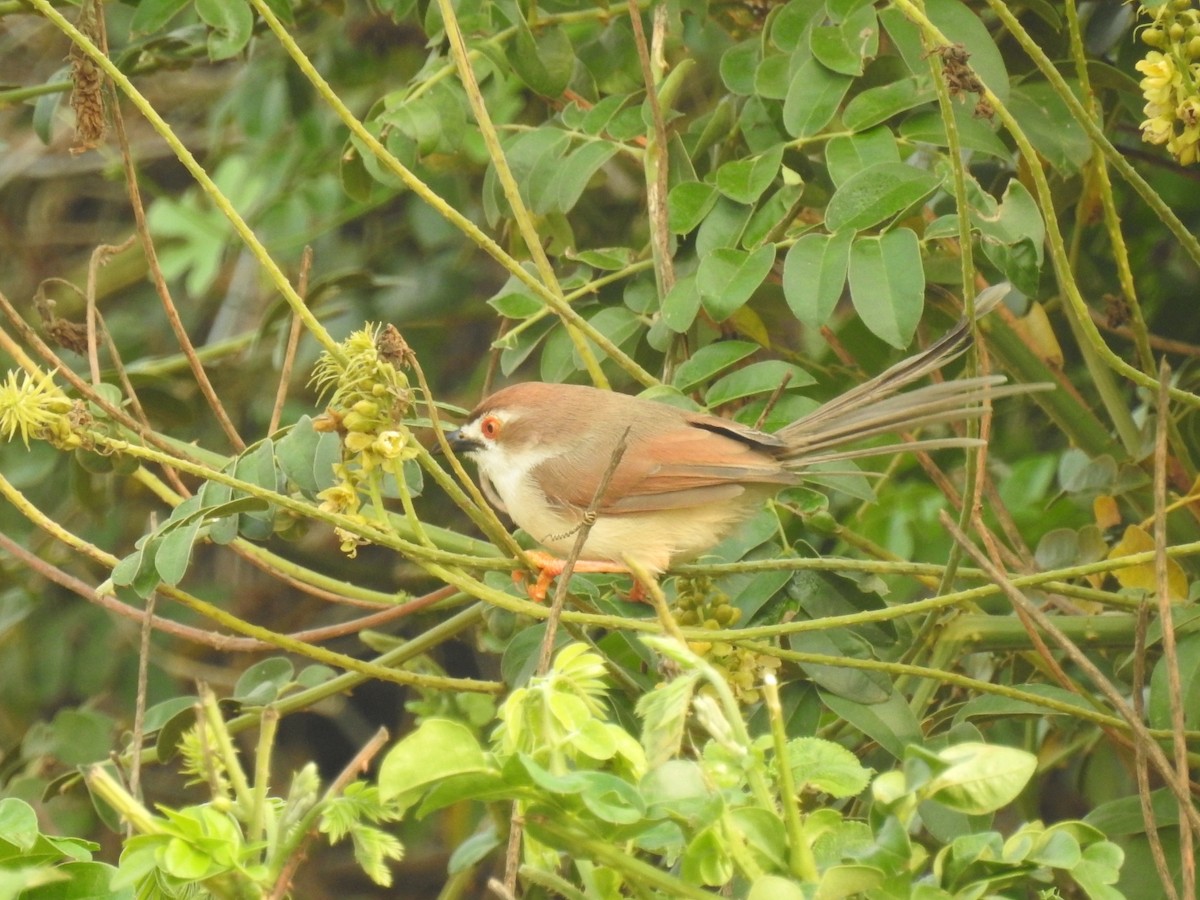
x: 1171, y: 79
x: 370, y: 397
x: 36, y: 407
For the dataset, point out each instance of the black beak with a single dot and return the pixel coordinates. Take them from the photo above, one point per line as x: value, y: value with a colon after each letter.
x: 458, y: 443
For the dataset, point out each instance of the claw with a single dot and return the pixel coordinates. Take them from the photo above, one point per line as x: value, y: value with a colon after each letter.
x: 550, y: 567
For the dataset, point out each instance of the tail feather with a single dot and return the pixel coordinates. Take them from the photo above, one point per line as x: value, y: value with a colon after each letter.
x: 877, y: 407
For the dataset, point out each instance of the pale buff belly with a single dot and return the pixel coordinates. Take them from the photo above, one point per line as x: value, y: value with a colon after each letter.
x: 654, y: 540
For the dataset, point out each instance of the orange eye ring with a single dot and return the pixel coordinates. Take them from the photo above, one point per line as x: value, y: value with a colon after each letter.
x: 489, y: 427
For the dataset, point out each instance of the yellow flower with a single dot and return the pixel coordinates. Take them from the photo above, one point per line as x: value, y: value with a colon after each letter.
x: 1160, y: 77
x: 33, y: 406
x: 349, y: 543
x: 1185, y: 146
x: 389, y: 444
x: 339, y: 498
x: 1157, y: 130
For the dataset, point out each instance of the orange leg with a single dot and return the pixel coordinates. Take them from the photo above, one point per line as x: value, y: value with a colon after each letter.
x: 550, y: 567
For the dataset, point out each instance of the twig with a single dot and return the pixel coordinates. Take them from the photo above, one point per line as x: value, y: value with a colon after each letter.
x: 512, y: 856
x: 773, y: 399
x: 1170, y: 650
x: 564, y: 579
x: 360, y: 762
x: 100, y: 256
x: 52, y: 359
x: 1141, y: 771
x: 289, y: 356
x: 500, y: 890
x: 1157, y: 342
x: 657, y: 155
x: 478, y: 509
x: 1123, y: 709
x: 139, y: 710
x: 657, y: 599
x: 160, y: 281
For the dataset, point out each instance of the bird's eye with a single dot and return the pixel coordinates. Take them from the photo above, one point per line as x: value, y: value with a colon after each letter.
x: 489, y: 427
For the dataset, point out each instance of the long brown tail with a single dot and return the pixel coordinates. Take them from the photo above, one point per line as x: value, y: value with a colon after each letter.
x: 877, y: 407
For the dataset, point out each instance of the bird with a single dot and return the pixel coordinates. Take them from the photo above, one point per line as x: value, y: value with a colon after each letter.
x: 685, y: 479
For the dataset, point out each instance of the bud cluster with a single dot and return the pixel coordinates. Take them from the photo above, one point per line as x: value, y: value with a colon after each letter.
x: 701, y: 605
x: 370, y: 397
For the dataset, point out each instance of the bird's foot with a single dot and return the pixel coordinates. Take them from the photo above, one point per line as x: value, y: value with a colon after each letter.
x: 550, y: 567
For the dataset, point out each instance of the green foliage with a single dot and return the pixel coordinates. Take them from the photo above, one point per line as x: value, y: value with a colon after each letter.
x: 746, y: 208
x: 710, y: 819
x: 241, y: 842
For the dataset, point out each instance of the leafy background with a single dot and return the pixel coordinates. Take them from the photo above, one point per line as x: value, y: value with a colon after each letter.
x: 802, y: 197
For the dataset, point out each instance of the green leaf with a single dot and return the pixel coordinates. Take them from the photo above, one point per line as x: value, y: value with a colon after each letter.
x: 664, y: 716
x: 515, y: 305
x: 687, y: 205
x: 544, y: 62
x: 296, y: 451
x: 607, y: 259
x: 84, y: 881
x: 825, y: 766
x: 876, y: 105
x: 151, y: 15
x: 812, y: 99
x: 880, y: 192
x: 174, y: 552
x: 262, y: 682
x: 728, y: 277
x: 757, y: 378
x: 738, y: 66
x: 847, y: 155
x: 18, y: 823
x: 859, y: 685
x: 773, y: 887
x: 887, y: 284
x: 814, y: 275
x: 578, y: 169
x: 891, y: 724
x: 993, y: 706
x: 764, y: 834
x: 927, y: 127
x: 773, y: 76
x: 612, y: 800
x: 438, y: 749
x: 706, y: 859
x: 682, y: 303
x: 709, y: 360
x: 723, y: 226
x: 1158, y: 709
x: 1100, y: 868
x: 744, y: 180
x: 774, y: 215
x: 849, y: 880
x: 595, y: 120
x: 844, y: 47
x: 1020, y: 260
x: 46, y: 107
x: 791, y: 24
x: 232, y: 24
x: 980, y: 778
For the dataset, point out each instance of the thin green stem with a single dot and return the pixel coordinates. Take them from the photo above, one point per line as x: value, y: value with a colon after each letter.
x: 16, y: 96
x: 508, y: 183
x: 1058, y: 254
x: 219, y: 200
x: 800, y: 854
x: 257, y: 820
x: 457, y: 219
